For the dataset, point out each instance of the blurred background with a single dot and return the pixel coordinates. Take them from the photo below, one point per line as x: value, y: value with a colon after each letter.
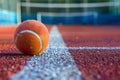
x: 76, y: 12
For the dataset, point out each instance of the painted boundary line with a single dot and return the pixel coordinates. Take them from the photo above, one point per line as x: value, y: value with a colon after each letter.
x: 87, y: 48
x: 53, y: 64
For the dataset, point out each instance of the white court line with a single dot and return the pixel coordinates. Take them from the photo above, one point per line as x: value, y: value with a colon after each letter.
x: 87, y: 48
x: 53, y: 64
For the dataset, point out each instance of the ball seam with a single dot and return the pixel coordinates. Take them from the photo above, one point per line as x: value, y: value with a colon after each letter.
x: 34, y: 33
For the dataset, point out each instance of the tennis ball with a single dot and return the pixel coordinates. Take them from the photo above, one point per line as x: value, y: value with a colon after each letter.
x: 31, y: 37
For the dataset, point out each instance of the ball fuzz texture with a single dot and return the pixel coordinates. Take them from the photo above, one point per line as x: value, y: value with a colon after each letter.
x: 31, y: 37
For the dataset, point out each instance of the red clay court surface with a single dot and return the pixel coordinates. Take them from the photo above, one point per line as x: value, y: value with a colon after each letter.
x: 11, y: 60
x: 94, y: 64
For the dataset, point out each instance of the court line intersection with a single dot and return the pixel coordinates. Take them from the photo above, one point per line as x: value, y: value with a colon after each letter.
x: 53, y: 64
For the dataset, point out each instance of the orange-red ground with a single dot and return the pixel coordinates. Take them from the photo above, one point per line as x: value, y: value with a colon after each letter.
x: 94, y: 64
x: 11, y: 60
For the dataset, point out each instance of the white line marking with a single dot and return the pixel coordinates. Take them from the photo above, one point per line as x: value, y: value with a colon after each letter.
x: 87, y: 48
x: 31, y: 32
x: 53, y: 64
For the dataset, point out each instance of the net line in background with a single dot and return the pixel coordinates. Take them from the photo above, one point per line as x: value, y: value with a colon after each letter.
x: 71, y: 5
x: 51, y: 15
x: 74, y: 13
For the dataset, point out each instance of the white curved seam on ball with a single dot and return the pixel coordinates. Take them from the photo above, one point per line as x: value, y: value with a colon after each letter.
x: 32, y: 32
